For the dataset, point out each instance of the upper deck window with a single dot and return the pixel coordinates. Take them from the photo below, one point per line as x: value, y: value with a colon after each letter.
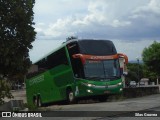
x: 97, y: 47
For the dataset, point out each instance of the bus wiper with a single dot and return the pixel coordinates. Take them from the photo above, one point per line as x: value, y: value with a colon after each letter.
x: 112, y: 77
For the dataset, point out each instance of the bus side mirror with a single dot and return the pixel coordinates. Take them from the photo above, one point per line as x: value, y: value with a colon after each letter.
x: 123, y: 56
x: 79, y: 56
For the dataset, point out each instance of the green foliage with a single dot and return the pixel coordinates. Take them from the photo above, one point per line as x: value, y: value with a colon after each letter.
x: 151, y: 58
x: 16, y: 35
x: 149, y: 74
x: 31, y: 107
x: 133, y: 72
x: 151, y: 67
x: 144, y: 72
x: 4, y: 91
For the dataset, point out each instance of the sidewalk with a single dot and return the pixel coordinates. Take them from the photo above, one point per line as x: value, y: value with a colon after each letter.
x: 18, y: 95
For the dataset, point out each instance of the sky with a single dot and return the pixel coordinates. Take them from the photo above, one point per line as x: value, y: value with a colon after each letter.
x: 132, y: 25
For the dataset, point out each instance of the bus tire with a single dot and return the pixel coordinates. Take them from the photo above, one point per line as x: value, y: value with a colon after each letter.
x: 70, y: 97
x: 34, y: 100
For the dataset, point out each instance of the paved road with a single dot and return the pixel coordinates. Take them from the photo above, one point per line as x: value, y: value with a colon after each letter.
x: 134, y: 104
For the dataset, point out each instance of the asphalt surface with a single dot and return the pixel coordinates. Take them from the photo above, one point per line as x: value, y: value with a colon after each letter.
x: 132, y: 104
x: 124, y: 109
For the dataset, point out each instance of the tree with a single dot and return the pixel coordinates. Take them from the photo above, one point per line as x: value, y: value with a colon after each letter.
x: 149, y: 74
x: 4, y: 91
x: 16, y: 35
x: 133, y: 72
x: 151, y: 58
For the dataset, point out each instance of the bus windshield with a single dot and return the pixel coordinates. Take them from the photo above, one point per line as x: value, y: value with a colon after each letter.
x: 102, y: 69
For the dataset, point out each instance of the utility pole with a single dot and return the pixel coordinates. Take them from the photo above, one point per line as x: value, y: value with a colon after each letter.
x: 138, y: 72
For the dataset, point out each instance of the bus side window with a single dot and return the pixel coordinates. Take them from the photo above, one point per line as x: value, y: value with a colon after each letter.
x: 42, y: 65
x: 57, y: 58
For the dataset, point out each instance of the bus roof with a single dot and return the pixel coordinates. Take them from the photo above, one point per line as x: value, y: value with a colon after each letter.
x: 80, y: 42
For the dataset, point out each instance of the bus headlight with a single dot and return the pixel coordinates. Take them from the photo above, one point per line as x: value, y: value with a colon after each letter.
x: 120, y: 89
x: 89, y: 91
x: 88, y: 84
x: 119, y: 83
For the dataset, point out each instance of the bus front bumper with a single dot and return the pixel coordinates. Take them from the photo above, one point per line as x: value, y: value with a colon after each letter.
x: 89, y: 89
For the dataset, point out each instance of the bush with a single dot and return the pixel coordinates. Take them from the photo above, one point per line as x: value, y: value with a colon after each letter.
x: 4, y: 91
x: 31, y: 107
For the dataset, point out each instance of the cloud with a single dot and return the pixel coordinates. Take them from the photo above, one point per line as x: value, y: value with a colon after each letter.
x: 145, y: 21
x: 95, y: 20
x: 132, y: 25
x: 106, y: 19
x: 148, y: 15
x: 152, y: 7
x: 117, y: 23
x: 60, y: 28
x: 132, y: 49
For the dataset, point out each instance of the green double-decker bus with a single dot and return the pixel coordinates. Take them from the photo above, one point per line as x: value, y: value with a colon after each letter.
x: 77, y: 69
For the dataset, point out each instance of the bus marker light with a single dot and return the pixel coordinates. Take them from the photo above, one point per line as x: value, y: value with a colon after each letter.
x: 89, y: 91
x: 120, y: 89
x: 120, y: 83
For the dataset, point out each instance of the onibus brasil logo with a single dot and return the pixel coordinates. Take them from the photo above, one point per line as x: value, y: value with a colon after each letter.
x: 20, y: 114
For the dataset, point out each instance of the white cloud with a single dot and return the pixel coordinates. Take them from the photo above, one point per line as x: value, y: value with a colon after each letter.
x: 117, y: 23
x: 97, y: 16
x: 132, y: 49
x: 109, y: 19
x: 60, y: 28
x: 146, y: 18
x: 153, y: 6
x: 39, y: 27
x: 148, y: 11
x: 104, y: 19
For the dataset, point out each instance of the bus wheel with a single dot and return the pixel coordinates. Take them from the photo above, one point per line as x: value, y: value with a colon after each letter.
x: 39, y: 103
x: 70, y: 97
x: 35, y: 101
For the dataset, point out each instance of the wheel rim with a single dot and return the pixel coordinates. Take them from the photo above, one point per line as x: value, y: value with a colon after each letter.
x: 39, y: 102
x: 35, y: 101
x: 71, y: 97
